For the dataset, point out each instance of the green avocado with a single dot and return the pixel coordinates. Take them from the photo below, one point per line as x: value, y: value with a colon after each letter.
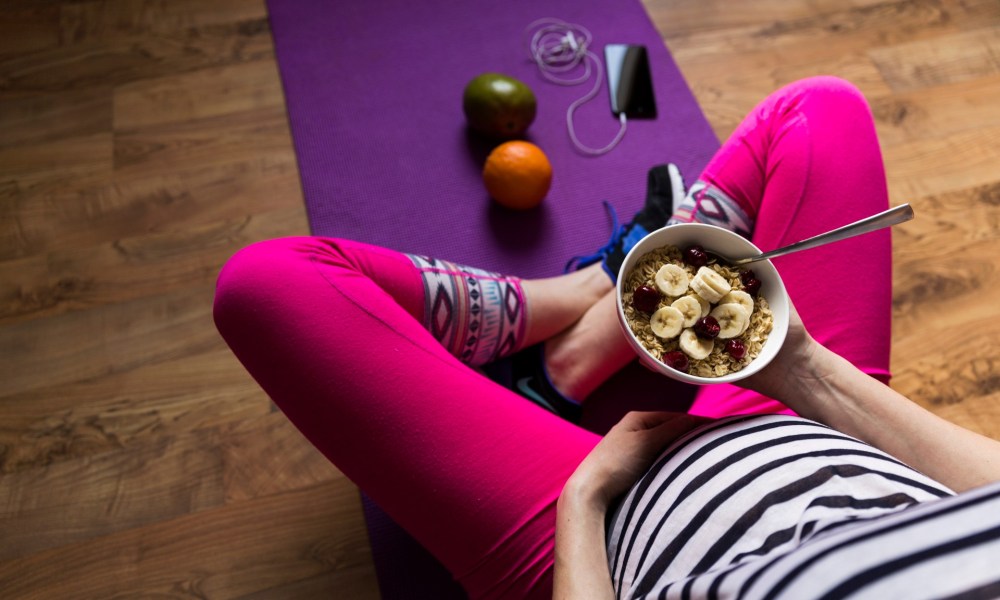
x: 498, y: 106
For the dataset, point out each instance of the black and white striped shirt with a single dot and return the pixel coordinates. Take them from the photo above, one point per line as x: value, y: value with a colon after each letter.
x: 782, y: 507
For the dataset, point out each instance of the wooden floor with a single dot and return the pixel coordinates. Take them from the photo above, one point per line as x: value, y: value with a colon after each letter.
x: 142, y: 142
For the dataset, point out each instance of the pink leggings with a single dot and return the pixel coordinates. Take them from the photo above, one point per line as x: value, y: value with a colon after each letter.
x: 333, y: 331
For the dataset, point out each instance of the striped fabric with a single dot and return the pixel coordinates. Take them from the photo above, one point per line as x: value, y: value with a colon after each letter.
x: 781, y: 507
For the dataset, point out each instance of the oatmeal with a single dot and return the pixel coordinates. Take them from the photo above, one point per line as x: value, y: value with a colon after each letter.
x: 695, y: 314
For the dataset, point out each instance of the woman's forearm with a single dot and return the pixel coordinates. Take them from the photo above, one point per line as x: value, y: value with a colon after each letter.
x: 827, y: 388
x: 581, y: 560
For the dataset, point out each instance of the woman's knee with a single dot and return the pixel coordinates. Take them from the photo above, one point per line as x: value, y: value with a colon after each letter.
x: 255, y: 280
x: 268, y: 263
x: 252, y: 266
x: 282, y: 275
x: 829, y: 95
x: 831, y: 84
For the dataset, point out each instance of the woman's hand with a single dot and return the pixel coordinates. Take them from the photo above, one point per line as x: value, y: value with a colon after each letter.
x: 792, y: 363
x: 625, y: 453
x: 618, y: 461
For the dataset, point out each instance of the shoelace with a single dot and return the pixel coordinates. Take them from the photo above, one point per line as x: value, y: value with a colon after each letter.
x: 617, y: 233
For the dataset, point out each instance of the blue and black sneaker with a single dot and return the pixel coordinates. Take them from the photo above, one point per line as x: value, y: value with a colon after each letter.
x: 664, y: 190
x: 524, y: 373
x: 530, y: 379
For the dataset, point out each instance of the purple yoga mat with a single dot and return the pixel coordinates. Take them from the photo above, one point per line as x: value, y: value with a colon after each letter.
x: 374, y: 93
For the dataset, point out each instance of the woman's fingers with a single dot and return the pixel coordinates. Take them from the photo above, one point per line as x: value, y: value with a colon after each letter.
x: 639, y: 420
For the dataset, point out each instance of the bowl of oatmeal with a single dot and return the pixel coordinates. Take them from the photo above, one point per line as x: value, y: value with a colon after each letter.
x: 694, y: 318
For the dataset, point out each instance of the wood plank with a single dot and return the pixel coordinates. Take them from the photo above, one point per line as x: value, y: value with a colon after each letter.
x: 49, y: 117
x: 106, y: 340
x: 267, y: 455
x: 963, y: 216
x: 773, y: 21
x: 197, y: 95
x: 28, y: 28
x: 141, y: 56
x: 85, y: 498
x: 355, y: 584
x: 103, y: 20
x: 731, y: 93
x: 678, y: 18
x: 942, y: 293
x: 957, y: 378
x: 53, y: 424
x: 980, y: 414
x: 57, y: 159
x: 875, y: 25
x: 196, y: 143
x: 943, y: 163
x: 45, y: 215
x: 938, y: 111
x: 944, y: 60
x: 228, y: 552
x: 829, y: 39
x: 153, y: 478
x: 729, y: 90
x: 131, y: 268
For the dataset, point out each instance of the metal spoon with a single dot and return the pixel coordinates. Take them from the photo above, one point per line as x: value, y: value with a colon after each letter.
x: 893, y: 216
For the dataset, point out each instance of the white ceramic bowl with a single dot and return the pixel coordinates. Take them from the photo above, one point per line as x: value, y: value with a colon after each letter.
x: 725, y: 243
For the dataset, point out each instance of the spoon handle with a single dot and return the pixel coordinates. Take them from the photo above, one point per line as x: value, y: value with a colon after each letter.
x: 893, y: 216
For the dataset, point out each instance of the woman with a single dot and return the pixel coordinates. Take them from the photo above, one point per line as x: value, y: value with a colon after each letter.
x: 374, y: 355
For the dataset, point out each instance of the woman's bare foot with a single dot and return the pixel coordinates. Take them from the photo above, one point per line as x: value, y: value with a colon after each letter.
x: 585, y: 355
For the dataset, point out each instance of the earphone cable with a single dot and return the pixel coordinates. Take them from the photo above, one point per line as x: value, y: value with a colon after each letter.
x: 558, y: 47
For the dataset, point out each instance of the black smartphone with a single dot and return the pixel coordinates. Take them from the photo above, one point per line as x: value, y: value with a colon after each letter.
x: 630, y: 81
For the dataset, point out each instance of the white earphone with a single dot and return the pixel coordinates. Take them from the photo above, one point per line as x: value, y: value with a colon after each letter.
x: 558, y: 47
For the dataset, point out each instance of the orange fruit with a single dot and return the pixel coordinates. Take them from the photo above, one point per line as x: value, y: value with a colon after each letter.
x: 517, y: 174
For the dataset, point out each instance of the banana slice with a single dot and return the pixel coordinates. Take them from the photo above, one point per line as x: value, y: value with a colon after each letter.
x: 739, y: 297
x: 666, y: 322
x: 690, y: 307
x: 743, y: 299
x: 706, y: 306
x: 694, y: 346
x: 672, y: 280
x: 710, y: 285
x: 733, y: 320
